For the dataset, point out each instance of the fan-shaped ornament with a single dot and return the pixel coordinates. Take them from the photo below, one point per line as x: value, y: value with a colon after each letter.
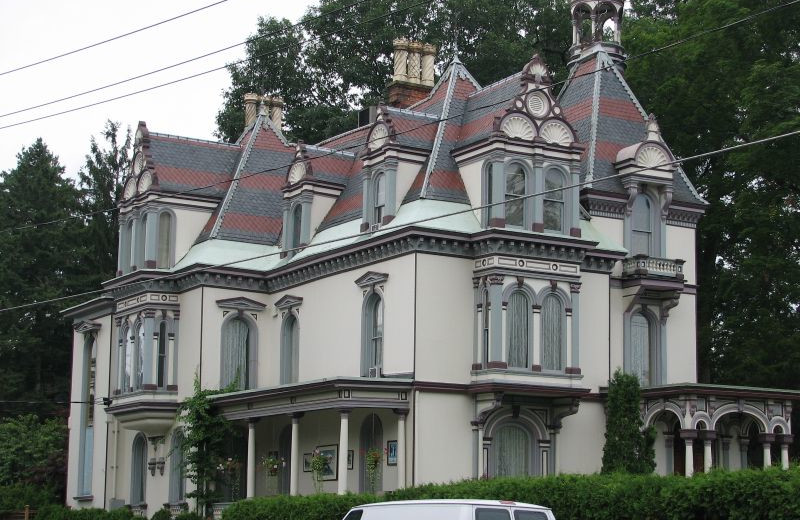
x: 538, y: 104
x: 297, y: 172
x: 130, y: 189
x: 652, y: 157
x: 138, y: 163
x: 379, y: 137
x: 556, y: 133
x: 145, y: 182
x: 518, y: 127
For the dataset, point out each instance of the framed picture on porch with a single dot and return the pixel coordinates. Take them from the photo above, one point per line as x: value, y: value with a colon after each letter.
x: 331, y: 453
x: 391, y: 453
x: 350, y: 457
x: 307, y: 462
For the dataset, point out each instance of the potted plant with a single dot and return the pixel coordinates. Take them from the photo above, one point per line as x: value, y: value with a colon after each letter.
x: 319, y: 463
x: 272, y: 465
x: 372, y: 461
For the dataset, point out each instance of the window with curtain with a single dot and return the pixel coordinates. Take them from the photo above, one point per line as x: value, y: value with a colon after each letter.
x: 515, y: 189
x: 517, y: 320
x: 138, y: 470
x: 640, y: 348
x: 512, y: 451
x: 290, y: 357
x: 161, y: 374
x: 297, y: 225
x: 177, y: 472
x: 380, y: 198
x: 553, y: 328
x: 138, y: 359
x: 373, y: 334
x: 236, y: 354
x: 641, y: 226
x: 164, y: 240
x: 554, y: 202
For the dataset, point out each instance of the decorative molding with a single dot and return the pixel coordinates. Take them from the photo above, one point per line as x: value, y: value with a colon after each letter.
x: 240, y: 303
x: 288, y: 301
x: 83, y: 327
x: 370, y: 279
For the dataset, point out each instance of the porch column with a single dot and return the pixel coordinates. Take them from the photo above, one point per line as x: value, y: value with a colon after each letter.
x: 669, y: 453
x: 401, y: 448
x: 744, y: 442
x: 344, y: 446
x: 708, y: 438
x: 496, y: 326
x: 766, y: 442
x: 689, y: 436
x: 251, y: 458
x: 785, y: 441
x: 726, y: 452
x: 294, y: 467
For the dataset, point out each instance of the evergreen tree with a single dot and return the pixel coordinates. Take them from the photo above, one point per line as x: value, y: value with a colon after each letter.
x: 628, y: 448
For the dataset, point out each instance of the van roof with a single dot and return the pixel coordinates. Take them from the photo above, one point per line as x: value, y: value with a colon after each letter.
x: 471, y: 502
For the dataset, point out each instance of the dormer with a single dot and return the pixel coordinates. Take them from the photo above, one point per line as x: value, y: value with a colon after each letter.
x: 392, y: 161
x: 309, y: 195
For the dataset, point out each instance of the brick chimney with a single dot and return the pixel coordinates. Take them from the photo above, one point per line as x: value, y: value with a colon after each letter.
x: 413, y: 72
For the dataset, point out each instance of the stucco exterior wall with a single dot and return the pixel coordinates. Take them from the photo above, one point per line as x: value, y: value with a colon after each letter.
x: 581, y: 439
x: 594, y: 330
x: 681, y: 244
x: 682, y: 341
x: 188, y: 225
x: 443, y: 437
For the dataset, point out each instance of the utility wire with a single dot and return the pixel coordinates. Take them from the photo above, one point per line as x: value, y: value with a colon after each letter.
x: 52, y: 58
x: 433, y: 121
x: 209, y: 71
x: 409, y: 224
x: 190, y: 60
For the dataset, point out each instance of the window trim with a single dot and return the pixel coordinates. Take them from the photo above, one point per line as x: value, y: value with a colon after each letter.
x: 171, y: 243
x: 656, y: 354
x: 565, y: 303
x: 372, y: 298
x: 530, y: 298
x: 177, y: 484
x: 658, y: 225
x: 252, y: 348
x: 290, y: 351
x: 142, y: 441
x: 564, y: 201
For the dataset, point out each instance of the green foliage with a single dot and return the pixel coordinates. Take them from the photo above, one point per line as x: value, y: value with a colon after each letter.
x: 628, y: 448
x: 188, y: 515
x: 162, y: 514
x: 15, y: 497
x: 719, y: 494
x: 58, y: 512
x: 204, y: 443
x: 33, y: 452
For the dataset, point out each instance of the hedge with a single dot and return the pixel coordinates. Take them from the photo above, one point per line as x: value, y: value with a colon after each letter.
x: 718, y: 495
x: 16, y: 496
x: 57, y: 512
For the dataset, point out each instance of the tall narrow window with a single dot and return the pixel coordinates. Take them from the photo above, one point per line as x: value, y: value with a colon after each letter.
x: 177, y: 473
x: 512, y: 450
x: 380, y: 198
x: 640, y: 348
x: 554, y: 202
x: 141, y: 241
x: 515, y: 189
x: 641, y: 226
x: 297, y: 225
x: 290, y: 355
x: 87, y: 433
x: 164, y: 240
x: 373, y: 337
x: 236, y: 354
x: 485, y: 328
x: 130, y: 361
x: 131, y: 249
x: 552, y: 333
x: 124, y: 379
x: 138, y: 360
x: 125, y: 248
x: 138, y: 470
x: 518, y: 309
x: 161, y: 374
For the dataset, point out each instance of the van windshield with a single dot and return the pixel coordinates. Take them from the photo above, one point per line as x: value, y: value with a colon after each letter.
x: 486, y: 513
x: 355, y: 514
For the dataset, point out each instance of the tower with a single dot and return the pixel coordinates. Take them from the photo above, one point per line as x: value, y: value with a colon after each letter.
x: 596, y: 24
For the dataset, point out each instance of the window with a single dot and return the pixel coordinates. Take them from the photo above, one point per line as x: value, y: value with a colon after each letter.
x: 553, y: 328
x: 138, y: 359
x: 130, y: 349
x: 356, y: 514
x: 641, y: 345
x: 373, y: 335
x: 297, y: 224
x: 487, y: 513
x: 515, y: 190
x: 141, y: 240
x: 486, y: 322
x: 518, y: 309
x: 138, y: 470
x: 177, y: 476
x: 164, y: 259
x: 290, y: 355
x: 380, y: 198
x: 87, y: 433
x: 520, y: 514
x: 236, y: 354
x: 161, y: 375
x: 131, y: 247
x: 554, y: 202
x: 641, y: 226
x: 512, y: 451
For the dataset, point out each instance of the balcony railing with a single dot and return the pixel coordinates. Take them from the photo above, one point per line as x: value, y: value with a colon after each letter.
x: 643, y: 265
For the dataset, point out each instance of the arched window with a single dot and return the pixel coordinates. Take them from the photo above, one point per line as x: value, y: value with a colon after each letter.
x: 138, y: 358
x: 380, y: 198
x: 161, y: 373
x: 371, y: 438
x: 297, y: 225
x: 641, y: 226
x: 554, y: 202
x: 373, y: 337
x: 177, y: 472
x: 512, y: 449
x: 141, y: 241
x: 553, y: 329
x: 138, y: 470
x: 517, y: 319
x: 290, y: 353
x: 125, y: 353
x: 641, y: 348
x: 515, y: 189
x: 236, y: 354
x: 164, y: 240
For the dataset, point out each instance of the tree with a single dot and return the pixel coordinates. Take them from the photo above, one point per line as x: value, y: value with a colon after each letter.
x: 33, y: 451
x: 628, y: 447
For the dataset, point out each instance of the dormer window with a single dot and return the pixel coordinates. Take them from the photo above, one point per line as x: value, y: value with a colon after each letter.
x: 515, y: 191
x: 380, y: 198
x: 554, y: 202
x: 297, y: 226
x: 641, y: 226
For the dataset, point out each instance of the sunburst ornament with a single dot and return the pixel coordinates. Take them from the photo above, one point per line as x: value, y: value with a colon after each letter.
x: 297, y: 172
x: 557, y: 133
x: 652, y: 157
x: 518, y: 127
x: 130, y: 189
x: 145, y: 182
x: 379, y: 137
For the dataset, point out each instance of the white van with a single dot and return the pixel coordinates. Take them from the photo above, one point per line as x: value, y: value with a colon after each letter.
x: 450, y: 510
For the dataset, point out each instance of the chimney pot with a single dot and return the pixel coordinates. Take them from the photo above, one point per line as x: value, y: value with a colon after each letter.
x: 250, y: 108
x: 428, y: 53
x: 414, y: 66
x: 276, y: 113
x: 400, y: 59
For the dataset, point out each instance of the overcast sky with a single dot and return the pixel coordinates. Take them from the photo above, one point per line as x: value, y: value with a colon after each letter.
x: 31, y: 30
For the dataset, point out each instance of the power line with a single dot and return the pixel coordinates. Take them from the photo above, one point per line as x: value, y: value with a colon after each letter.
x: 184, y: 62
x: 52, y: 58
x: 413, y: 223
x: 433, y: 121
x: 205, y: 72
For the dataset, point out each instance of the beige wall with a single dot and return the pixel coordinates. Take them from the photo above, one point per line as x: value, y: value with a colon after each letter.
x: 682, y: 341
x: 581, y: 440
x: 442, y: 436
x: 681, y: 244
x: 188, y: 224
x: 594, y: 330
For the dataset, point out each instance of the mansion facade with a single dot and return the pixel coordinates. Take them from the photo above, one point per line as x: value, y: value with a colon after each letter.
x: 452, y: 283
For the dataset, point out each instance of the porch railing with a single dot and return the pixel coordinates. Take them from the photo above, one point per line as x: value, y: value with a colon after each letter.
x: 644, y: 265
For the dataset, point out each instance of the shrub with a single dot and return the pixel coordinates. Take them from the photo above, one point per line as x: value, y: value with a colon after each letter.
x: 162, y: 514
x: 188, y: 515
x: 57, y: 512
x: 312, y: 507
x: 16, y: 496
